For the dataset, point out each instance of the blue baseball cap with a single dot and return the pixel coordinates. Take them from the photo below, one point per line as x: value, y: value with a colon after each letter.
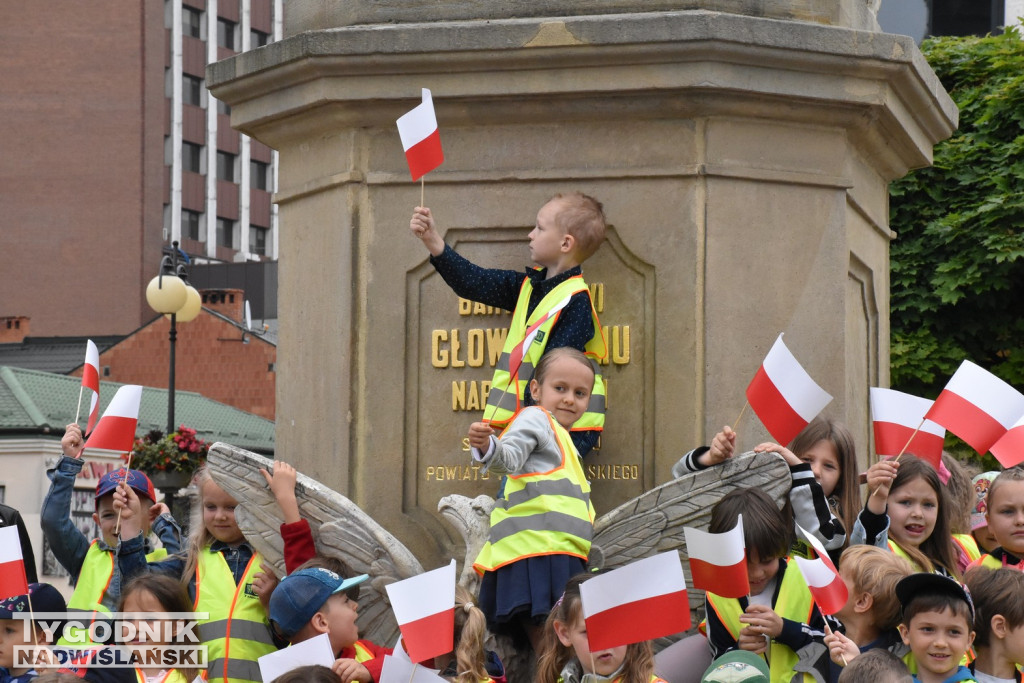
x: 45, y: 598
x: 301, y: 594
x: 135, y: 479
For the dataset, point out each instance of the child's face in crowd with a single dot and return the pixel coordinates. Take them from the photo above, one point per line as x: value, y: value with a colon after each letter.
x: 565, y: 391
x: 147, y: 627
x: 824, y: 462
x: 603, y: 662
x: 106, y: 517
x: 760, y: 572
x: 547, y: 237
x: 938, y: 641
x: 912, y: 510
x: 340, y: 614
x: 985, y: 539
x: 13, y: 634
x: 1006, y: 516
x: 219, y: 514
x: 851, y: 589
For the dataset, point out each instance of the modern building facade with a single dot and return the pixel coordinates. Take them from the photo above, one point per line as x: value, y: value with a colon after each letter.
x: 113, y: 148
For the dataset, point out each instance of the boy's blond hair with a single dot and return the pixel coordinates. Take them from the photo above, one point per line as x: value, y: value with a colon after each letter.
x: 876, y: 571
x: 581, y: 216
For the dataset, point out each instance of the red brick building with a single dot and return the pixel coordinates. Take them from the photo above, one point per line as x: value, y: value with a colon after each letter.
x: 215, y: 356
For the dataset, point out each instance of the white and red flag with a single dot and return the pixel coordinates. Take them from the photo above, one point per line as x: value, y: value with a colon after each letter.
x: 116, y: 429
x: 718, y: 562
x: 424, y: 607
x: 13, y: 580
x: 1009, y: 450
x: 896, y: 416
x: 91, y: 381
x: 827, y: 588
x: 421, y: 139
x: 643, y: 600
x: 977, y: 406
x: 783, y: 395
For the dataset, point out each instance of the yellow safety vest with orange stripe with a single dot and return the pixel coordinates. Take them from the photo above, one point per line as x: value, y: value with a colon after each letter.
x: 504, y: 401
x: 794, y: 603
x: 93, y: 582
x: 542, y: 513
x: 237, y: 631
x: 172, y: 676
x: 965, y: 543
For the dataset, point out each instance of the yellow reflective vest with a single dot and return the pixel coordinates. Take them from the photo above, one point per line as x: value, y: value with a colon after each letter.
x: 93, y: 582
x: 794, y: 603
x: 237, y: 631
x: 965, y: 544
x: 505, y: 400
x: 542, y: 513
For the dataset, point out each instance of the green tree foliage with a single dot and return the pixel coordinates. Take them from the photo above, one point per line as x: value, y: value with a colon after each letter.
x: 957, y: 281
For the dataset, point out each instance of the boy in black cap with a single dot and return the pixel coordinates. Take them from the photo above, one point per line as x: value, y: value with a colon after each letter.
x: 315, y: 600
x: 17, y: 639
x: 938, y: 626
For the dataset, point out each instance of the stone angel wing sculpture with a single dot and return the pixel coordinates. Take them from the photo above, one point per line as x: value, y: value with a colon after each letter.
x: 341, y: 529
x: 650, y: 523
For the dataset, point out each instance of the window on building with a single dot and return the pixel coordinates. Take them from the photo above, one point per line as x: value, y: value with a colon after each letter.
x: 258, y: 38
x: 258, y: 175
x: 226, y: 167
x: 192, y: 90
x: 191, y: 157
x: 226, y: 233
x: 223, y: 108
x: 226, y: 33
x: 191, y: 22
x: 258, y: 240
x: 191, y: 225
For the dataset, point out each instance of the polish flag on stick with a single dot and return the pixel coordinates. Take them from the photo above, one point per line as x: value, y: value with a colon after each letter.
x: 424, y: 607
x: 13, y: 580
x: 643, y: 600
x: 783, y: 395
x: 421, y: 139
x: 822, y: 578
x: 718, y: 562
x: 91, y: 381
x: 900, y: 426
x: 1009, y: 450
x: 977, y: 406
x: 116, y: 429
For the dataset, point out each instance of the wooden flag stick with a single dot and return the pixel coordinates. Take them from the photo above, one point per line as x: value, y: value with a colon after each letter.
x: 422, y: 181
x: 740, y: 416
x: 128, y: 466
x: 907, y: 444
x: 78, y: 410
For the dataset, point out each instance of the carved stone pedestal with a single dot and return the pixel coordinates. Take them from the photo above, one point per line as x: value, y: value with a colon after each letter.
x: 742, y: 149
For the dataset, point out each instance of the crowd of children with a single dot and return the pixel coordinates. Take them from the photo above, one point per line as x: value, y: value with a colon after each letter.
x: 907, y: 551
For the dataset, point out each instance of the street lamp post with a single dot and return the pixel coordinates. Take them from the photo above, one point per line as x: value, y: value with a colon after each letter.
x: 170, y: 294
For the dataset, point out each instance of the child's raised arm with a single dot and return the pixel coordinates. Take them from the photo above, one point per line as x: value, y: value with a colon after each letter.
x: 69, y: 545
x: 299, y: 545
x: 422, y: 225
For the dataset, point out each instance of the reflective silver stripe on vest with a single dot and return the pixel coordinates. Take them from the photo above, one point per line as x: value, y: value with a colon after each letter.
x: 596, y: 403
x: 542, y: 487
x: 505, y: 400
x: 240, y: 628
x: 243, y: 669
x: 525, y: 368
x: 549, y: 521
